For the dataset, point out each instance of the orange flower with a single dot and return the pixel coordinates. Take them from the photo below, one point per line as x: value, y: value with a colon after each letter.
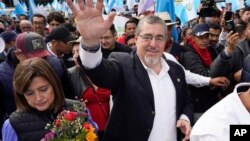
x: 91, y: 136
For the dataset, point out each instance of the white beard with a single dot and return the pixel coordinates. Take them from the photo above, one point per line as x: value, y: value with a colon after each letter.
x: 151, y: 60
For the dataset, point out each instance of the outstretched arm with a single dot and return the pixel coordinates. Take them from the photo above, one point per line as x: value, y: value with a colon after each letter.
x: 89, y: 20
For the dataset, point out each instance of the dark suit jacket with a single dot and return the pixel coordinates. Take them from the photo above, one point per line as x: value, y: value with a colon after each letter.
x: 2, y: 57
x: 133, y: 112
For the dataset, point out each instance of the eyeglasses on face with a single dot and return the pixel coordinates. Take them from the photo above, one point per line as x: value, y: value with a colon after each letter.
x: 38, y: 23
x: 150, y: 37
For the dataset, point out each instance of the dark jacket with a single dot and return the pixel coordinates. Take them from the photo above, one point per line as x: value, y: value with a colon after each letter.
x: 203, y: 97
x: 118, y: 48
x: 2, y: 57
x: 33, y: 122
x: 30, y: 126
x: 215, y: 50
x: 79, y: 80
x: 229, y: 66
x: 176, y: 50
x: 133, y: 112
x: 7, y: 68
x: 222, y: 67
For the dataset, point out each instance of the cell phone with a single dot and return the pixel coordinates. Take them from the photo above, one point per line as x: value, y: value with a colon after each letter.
x: 230, y: 26
x: 228, y: 15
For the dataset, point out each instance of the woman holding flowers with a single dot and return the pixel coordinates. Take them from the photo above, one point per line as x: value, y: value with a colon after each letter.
x: 39, y: 98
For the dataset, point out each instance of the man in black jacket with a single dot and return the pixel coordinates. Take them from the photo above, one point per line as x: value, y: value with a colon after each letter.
x: 151, y: 93
x: 109, y: 43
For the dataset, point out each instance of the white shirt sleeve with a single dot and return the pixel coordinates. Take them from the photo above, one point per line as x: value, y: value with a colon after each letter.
x: 90, y: 60
x: 191, y: 78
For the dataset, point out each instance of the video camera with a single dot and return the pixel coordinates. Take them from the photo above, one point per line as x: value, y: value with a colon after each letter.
x: 208, y: 8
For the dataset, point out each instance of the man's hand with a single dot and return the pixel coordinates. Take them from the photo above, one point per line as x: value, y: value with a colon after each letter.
x: 89, y: 20
x: 185, y: 128
x: 232, y: 39
x: 219, y: 81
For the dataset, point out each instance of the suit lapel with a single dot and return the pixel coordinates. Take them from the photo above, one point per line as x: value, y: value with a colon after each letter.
x: 143, y: 78
x: 177, y: 83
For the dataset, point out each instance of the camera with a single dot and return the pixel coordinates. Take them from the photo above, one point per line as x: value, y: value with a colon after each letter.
x: 208, y: 8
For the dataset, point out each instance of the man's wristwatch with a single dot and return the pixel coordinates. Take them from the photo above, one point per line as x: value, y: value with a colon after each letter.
x: 92, y: 49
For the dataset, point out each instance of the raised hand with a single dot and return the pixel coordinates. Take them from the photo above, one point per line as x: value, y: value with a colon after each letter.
x: 232, y: 39
x: 89, y: 20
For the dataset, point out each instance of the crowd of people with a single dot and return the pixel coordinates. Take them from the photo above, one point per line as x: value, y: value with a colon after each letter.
x: 143, y: 85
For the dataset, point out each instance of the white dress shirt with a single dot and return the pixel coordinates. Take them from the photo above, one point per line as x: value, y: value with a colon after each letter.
x: 164, y: 126
x: 191, y: 78
x: 214, y: 124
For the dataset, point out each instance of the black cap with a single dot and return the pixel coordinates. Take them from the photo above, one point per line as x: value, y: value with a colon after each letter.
x: 60, y: 33
x: 200, y: 29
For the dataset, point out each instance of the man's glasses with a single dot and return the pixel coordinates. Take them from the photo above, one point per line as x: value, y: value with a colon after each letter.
x: 150, y: 37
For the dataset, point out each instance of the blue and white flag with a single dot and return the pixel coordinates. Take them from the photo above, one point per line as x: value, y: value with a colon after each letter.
x: 13, y: 14
x: 55, y: 4
x: 32, y: 8
x: 19, y: 9
x: 2, y: 8
x: 167, y: 6
x: 186, y: 10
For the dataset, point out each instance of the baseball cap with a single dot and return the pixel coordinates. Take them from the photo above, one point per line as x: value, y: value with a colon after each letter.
x: 70, y: 44
x: 166, y: 17
x: 200, y: 29
x: 8, y: 36
x: 32, y: 44
x: 60, y: 33
x: 2, y: 45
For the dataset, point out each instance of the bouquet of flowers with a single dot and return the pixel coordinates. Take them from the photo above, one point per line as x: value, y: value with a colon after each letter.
x: 71, y: 125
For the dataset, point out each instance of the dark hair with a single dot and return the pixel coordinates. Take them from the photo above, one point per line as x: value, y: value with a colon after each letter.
x: 26, y: 17
x: 217, y: 12
x: 184, y: 31
x: 112, y: 29
x: 128, y: 37
x: 215, y: 26
x: 57, y: 16
x: 25, y: 72
x: 247, y: 8
x: 178, y: 20
x: 131, y: 21
x: 40, y: 16
x: 69, y: 26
